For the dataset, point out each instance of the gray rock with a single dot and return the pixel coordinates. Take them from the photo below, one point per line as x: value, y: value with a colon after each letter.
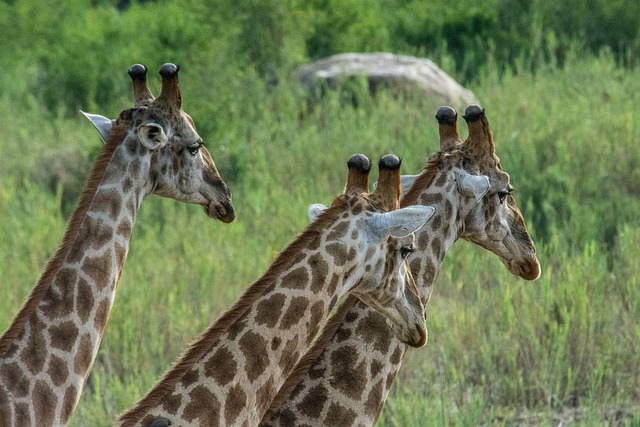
x: 405, y: 73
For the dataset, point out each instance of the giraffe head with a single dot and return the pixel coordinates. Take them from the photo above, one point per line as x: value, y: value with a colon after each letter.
x: 384, y: 237
x: 180, y: 167
x: 468, y: 177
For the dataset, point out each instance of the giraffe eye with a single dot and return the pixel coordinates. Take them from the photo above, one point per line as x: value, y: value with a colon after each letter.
x: 502, y: 195
x: 406, y: 250
x: 193, y: 149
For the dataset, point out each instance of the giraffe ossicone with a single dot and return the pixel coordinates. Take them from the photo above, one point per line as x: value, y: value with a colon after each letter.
x: 231, y: 373
x: 345, y: 378
x: 48, y: 350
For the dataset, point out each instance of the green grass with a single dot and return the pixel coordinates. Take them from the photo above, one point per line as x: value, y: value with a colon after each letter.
x: 501, y: 351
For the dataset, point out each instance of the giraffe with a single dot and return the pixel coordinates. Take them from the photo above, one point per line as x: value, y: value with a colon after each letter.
x: 47, y: 352
x: 344, y: 379
x: 230, y: 374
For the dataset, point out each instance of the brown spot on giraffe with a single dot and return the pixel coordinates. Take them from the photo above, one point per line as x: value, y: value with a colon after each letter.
x: 32, y: 354
x: 320, y: 265
x: 5, y: 408
x: 335, y: 281
x: 374, y: 396
x: 124, y: 228
x: 85, y: 300
x: 112, y: 206
x: 436, y: 245
x: 317, y: 312
x: 221, y: 367
x: 295, y: 311
x: 235, y: 402
x: 338, y: 253
x: 13, y: 374
x: 202, y: 406
x: 191, y: 376
x: 64, y: 335
x: 338, y: 231
x: 84, y: 356
x: 68, y: 403
x: 236, y: 329
x: 172, y: 403
x: 311, y: 405
x: 98, y: 268
x: 375, y: 368
x: 435, y: 222
x: 102, y: 314
x: 441, y: 180
x: 339, y: 415
x: 344, y: 360
x: 254, y: 348
x: 60, y: 291
x: 296, y: 279
x: 22, y: 411
x: 266, y: 309
x: 45, y: 401
x: 58, y: 370
x: 317, y: 371
x: 265, y: 394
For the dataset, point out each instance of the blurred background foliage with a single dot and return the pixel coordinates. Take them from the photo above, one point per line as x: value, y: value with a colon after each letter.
x: 72, y: 51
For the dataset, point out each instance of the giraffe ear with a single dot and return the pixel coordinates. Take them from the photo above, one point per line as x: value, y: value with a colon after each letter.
x: 315, y: 210
x: 152, y: 135
x: 406, y: 181
x: 473, y: 185
x: 102, y: 124
x: 401, y: 222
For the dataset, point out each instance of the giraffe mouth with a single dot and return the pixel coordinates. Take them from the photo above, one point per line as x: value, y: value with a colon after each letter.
x: 415, y: 336
x: 527, y: 269
x: 222, y: 212
x: 419, y: 338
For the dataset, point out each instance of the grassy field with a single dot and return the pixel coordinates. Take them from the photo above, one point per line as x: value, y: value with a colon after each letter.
x: 564, y: 349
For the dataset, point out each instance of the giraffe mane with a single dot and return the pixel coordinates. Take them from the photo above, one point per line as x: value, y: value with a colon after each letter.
x: 207, y: 339
x: 77, y: 217
x: 423, y: 180
x: 309, y: 358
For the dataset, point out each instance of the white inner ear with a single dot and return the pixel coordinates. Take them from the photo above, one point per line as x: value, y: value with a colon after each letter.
x: 102, y: 124
x: 474, y: 185
x: 152, y: 135
x: 401, y: 222
x: 315, y: 210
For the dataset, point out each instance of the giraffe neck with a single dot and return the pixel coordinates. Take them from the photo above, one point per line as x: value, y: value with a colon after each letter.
x: 342, y: 382
x: 47, y: 352
x: 230, y: 375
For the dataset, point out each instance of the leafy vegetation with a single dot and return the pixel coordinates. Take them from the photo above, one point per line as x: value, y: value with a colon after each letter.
x: 562, y: 99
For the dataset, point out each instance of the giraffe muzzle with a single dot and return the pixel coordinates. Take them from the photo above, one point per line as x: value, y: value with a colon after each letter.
x: 419, y: 336
x: 414, y: 336
x: 224, y: 212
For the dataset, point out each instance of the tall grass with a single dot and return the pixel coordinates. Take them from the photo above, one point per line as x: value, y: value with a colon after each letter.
x: 500, y: 350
